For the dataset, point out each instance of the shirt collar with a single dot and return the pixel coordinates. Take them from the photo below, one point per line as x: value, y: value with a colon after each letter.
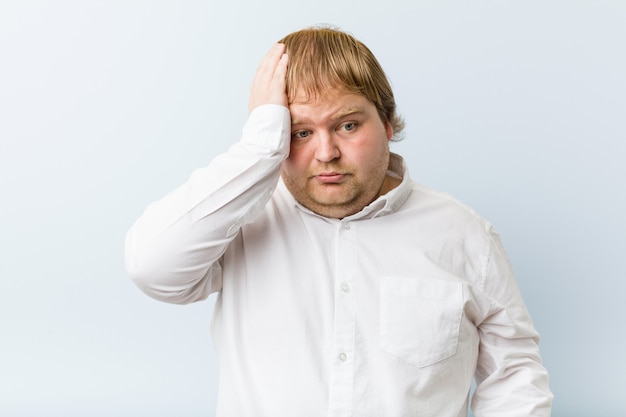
x: 386, y: 203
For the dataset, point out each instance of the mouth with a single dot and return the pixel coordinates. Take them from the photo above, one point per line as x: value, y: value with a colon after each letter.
x: 329, y: 177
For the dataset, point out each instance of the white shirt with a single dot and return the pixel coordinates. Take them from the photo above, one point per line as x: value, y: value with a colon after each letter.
x: 389, y: 312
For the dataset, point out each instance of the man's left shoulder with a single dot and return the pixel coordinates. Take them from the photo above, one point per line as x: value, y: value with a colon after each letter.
x: 444, y: 207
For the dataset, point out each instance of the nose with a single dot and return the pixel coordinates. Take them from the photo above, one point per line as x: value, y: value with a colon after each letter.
x: 326, y: 148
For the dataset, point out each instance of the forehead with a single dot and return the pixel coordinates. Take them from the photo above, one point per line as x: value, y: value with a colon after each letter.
x: 332, y: 104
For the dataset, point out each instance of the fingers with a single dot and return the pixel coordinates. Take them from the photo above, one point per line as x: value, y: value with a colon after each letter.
x: 269, y: 62
x: 280, y: 74
x: 269, y: 84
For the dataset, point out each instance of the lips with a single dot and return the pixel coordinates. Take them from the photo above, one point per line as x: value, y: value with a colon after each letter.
x: 330, y: 177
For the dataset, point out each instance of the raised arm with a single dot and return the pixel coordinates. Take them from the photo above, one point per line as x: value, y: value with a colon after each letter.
x: 173, y: 249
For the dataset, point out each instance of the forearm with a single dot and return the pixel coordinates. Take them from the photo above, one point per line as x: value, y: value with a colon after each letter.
x: 172, y: 250
x: 511, y: 380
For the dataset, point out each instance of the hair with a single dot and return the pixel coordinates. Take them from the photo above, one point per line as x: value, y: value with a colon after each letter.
x: 323, y: 59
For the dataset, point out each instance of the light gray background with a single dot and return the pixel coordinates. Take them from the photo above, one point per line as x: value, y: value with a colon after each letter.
x: 515, y: 107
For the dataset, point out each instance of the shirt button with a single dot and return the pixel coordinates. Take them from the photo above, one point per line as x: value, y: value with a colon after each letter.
x: 345, y: 287
x: 346, y: 226
x: 343, y: 357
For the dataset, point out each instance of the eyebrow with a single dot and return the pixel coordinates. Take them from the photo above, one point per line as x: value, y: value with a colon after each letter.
x: 346, y: 111
x: 343, y: 112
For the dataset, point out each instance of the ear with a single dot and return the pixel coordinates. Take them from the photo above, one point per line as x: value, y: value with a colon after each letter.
x: 389, y: 130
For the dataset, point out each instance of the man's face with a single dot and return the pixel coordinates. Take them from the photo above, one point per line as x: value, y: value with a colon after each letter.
x: 339, y: 154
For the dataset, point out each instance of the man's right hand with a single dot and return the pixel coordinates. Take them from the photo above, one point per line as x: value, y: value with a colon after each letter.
x: 269, y: 85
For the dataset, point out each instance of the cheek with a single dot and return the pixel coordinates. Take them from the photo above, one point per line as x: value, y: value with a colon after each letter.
x: 296, y: 161
x: 370, y: 154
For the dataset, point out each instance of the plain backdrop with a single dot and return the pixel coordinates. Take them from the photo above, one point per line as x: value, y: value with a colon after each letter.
x: 518, y: 108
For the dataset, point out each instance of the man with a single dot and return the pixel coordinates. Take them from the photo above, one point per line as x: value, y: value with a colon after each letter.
x: 345, y: 288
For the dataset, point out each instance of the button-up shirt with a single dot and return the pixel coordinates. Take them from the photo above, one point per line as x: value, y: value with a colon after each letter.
x: 389, y: 312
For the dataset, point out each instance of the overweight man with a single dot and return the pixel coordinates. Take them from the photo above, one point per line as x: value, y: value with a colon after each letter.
x: 344, y: 287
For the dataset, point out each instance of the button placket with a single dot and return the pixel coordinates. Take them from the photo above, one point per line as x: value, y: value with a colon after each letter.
x: 342, y: 369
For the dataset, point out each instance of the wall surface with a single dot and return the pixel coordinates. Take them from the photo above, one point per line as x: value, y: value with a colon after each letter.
x: 515, y: 107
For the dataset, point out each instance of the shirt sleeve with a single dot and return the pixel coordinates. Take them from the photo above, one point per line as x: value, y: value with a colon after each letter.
x: 173, y: 250
x: 511, y: 380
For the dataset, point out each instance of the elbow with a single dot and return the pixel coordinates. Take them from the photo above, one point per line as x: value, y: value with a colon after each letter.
x: 165, y: 286
x: 169, y: 270
x: 143, y: 272
x: 151, y: 272
x: 141, y: 275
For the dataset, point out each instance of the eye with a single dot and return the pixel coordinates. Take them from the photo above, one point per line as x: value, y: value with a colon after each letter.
x: 301, y: 134
x: 349, y: 126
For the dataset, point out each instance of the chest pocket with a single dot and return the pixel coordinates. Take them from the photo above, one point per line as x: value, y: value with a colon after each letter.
x: 420, y: 318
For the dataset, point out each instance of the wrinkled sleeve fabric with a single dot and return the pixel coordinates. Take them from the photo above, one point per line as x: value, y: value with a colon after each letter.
x: 510, y: 379
x: 173, y: 250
